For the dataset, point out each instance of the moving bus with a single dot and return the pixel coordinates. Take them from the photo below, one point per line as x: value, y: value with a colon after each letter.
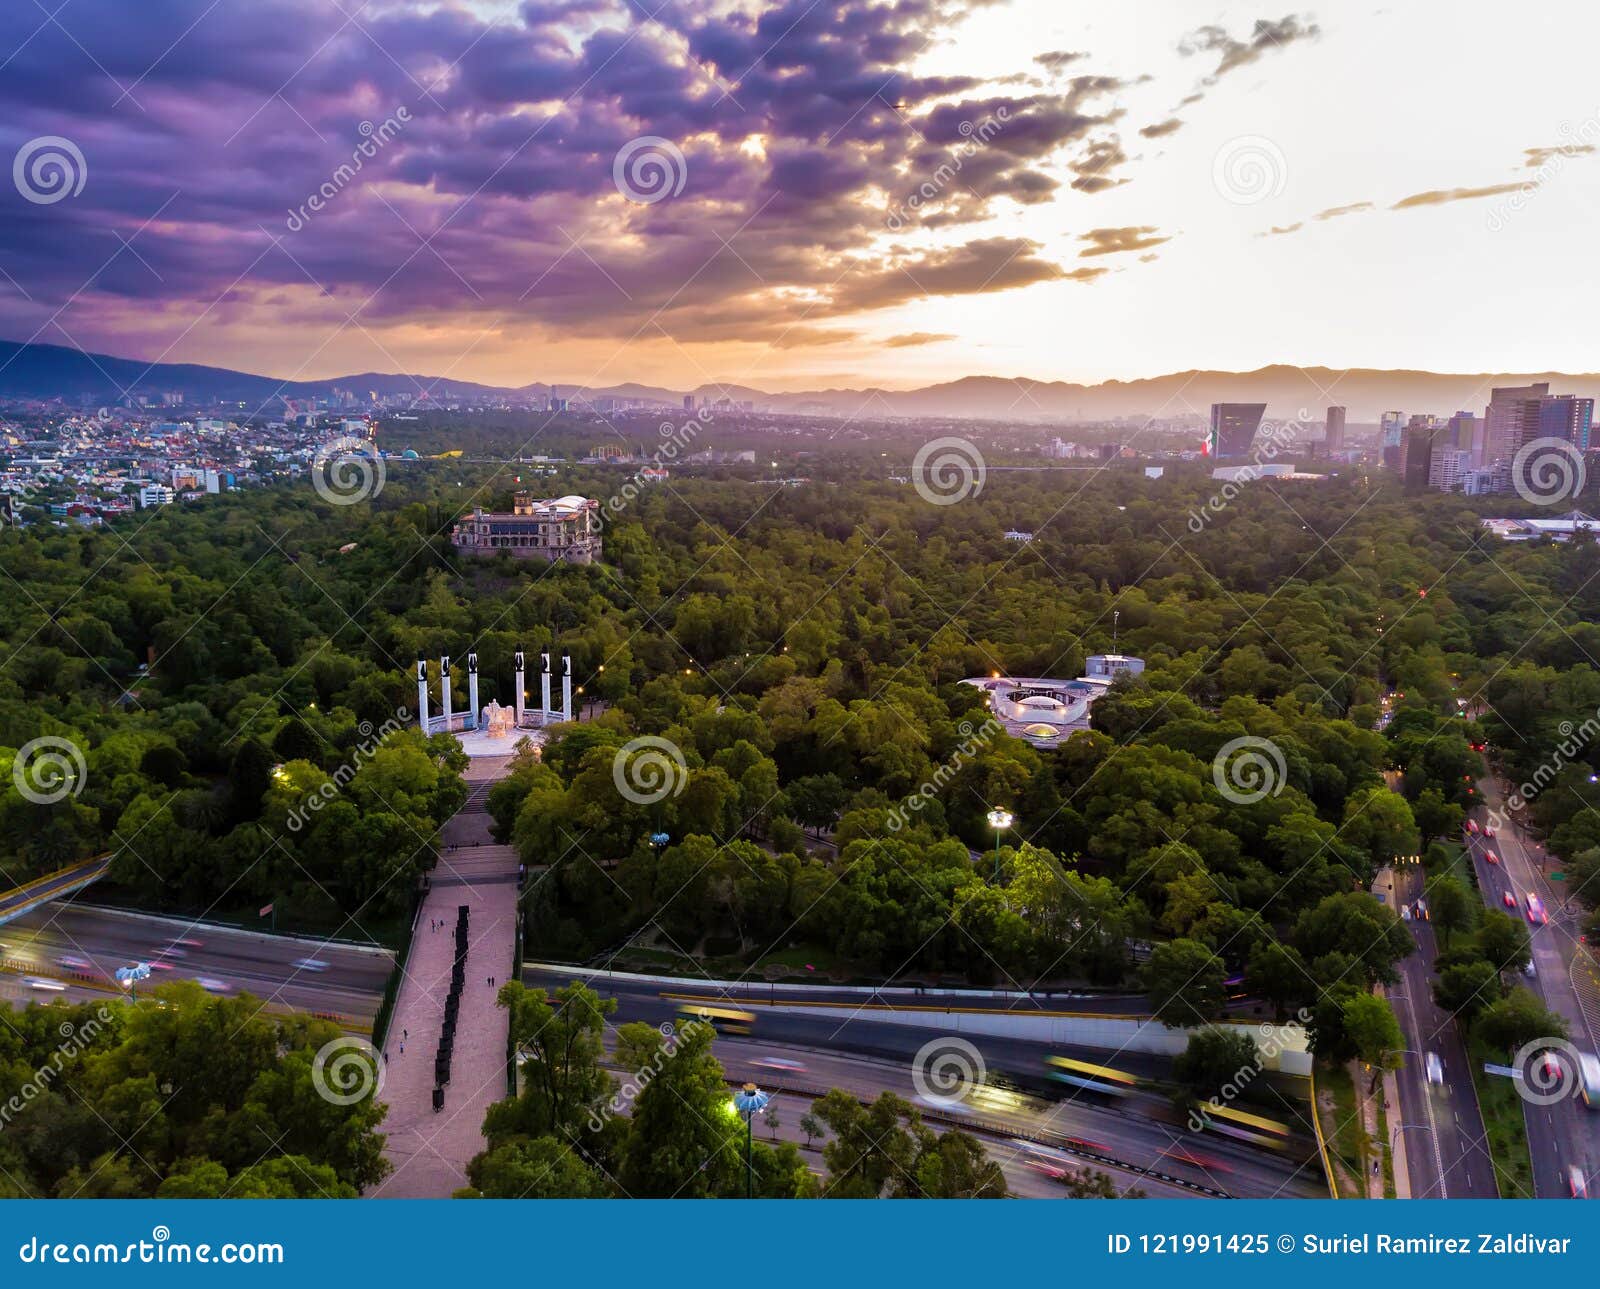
x: 1241, y: 1125
x: 725, y: 1020
x: 1095, y: 1078
x: 1589, y: 1071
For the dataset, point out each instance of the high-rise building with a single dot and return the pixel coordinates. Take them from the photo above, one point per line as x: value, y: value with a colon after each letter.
x: 1420, y: 435
x: 1233, y: 429
x: 1511, y: 419
x: 1561, y: 416
x: 1333, y: 431
x: 1391, y: 428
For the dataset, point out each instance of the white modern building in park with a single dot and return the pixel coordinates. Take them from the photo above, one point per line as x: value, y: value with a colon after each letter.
x: 1046, y: 712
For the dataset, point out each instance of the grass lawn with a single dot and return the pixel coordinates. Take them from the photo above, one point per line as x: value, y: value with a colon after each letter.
x: 1341, y: 1125
x: 1506, y: 1128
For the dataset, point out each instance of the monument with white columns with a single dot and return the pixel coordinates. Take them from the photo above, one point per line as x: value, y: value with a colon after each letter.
x: 472, y: 727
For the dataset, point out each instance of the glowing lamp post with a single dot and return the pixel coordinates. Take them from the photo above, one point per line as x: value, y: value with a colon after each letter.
x: 750, y: 1101
x: 999, y: 820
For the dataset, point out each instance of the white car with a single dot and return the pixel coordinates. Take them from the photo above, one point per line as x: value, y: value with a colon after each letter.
x: 1527, y: 968
x: 1435, y: 1068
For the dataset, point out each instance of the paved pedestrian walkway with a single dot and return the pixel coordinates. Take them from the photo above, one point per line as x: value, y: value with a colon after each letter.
x: 430, y: 1150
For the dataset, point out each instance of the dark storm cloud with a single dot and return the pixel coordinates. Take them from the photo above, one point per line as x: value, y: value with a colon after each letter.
x: 207, y: 130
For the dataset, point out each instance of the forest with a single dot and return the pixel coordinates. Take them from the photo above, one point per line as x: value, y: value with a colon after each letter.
x: 793, y: 656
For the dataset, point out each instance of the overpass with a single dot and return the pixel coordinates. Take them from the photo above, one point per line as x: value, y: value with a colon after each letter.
x: 52, y: 886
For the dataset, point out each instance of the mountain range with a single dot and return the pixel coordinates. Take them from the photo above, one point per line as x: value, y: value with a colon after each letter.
x: 52, y: 371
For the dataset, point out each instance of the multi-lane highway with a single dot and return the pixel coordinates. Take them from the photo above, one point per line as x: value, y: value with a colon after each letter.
x: 1446, y: 1153
x: 865, y: 1056
x: 73, y: 951
x: 1563, y: 1135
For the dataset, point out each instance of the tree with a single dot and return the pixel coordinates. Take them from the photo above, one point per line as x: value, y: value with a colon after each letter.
x: 534, y: 1168
x: 1436, y: 817
x: 1465, y: 988
x: 684, y: 1140
x: 871, y: 1153
x: 1356, y: 925
x: 953, y: 1165
x: 1185, y: 983
x: 816, y: 800
x: 1278, y: 974
x: 1518, y: 1018
x: 562, y: 1079
x: 1091, y: 1183
x: 1451, y: 907
x: 770, y: 1117
x: 1374, y: 1034
x: 811, y: 1126
x: 1503, y: 940
x: 1380, y: 824
x: 1216, y: 1056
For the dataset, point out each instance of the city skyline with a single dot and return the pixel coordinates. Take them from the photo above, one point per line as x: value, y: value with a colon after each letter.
x: 849, y: 195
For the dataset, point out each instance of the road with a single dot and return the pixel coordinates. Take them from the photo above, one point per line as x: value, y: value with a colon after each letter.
x: 1044, y: 1000
x: 1027, y: 1165
x: 1138, y: 1131
x: 1564, y: 1134
x: 42, y: 890
x: 1447, y: 1156
x: 72, y: 950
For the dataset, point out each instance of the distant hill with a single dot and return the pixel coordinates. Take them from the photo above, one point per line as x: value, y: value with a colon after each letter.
x: 52, y: 371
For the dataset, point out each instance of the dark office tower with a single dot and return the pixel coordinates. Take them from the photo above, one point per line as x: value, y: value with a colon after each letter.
x: 1333, y: 430
x: 1419, y: 442
x: 1233, y: 428
x: 1564, y: 417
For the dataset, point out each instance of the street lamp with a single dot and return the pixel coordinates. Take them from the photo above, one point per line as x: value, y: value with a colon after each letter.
x: 999, y: 820
x: 750, y: 1101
